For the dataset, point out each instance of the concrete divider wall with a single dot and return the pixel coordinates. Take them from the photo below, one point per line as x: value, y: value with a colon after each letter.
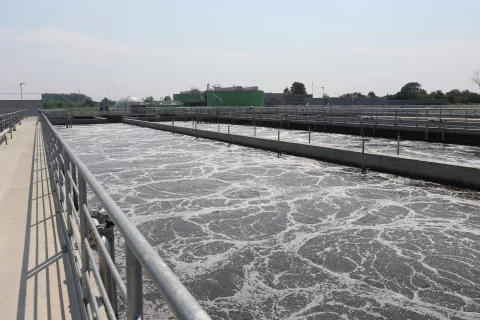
x: 462, y: 175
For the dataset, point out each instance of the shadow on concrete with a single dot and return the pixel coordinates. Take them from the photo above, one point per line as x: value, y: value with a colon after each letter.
x: 46, y: 285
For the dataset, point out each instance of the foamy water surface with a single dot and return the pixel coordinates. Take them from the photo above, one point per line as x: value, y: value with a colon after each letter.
x: 254, y: 236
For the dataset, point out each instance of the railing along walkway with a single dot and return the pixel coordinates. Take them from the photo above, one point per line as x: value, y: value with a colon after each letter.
x: 34, y: 270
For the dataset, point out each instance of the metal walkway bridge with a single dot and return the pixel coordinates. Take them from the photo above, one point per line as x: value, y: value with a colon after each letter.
x: 57, y: 254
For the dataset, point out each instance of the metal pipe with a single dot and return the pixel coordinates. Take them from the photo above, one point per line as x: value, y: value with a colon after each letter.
x: 364, y: 170
x: 443, y: 131
x: 106, y: 274
x: 134, y: 285
x: 398, y: 143
x: 108, y: 306
x: 279, y: 143
x: 91, y: 296
x: 309, y: 134
x: 82, y: 200
x: 426, y: 132
x: 108, y: 259
x: 466, y: 119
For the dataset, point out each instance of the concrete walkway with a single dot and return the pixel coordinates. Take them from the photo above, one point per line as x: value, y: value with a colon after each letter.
x: 34, y: 271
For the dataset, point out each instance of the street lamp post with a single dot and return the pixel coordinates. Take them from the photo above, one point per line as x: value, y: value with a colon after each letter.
x: 323, y: 92
x: 21, y: 90
x: 312, y: 89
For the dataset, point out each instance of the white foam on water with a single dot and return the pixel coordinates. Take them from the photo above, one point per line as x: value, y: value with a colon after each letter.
x: 254, y: 236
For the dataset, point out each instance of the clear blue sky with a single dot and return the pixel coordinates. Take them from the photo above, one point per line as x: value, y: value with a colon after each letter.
x: 162, y: 47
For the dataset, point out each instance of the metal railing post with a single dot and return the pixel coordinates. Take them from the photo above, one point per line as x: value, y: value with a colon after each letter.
x: 68, y: 191
x: 278, y: 143
x: 106, y: 274
x: 74, y: 178
x: 426, y: 132
x: 309, y: 134
x: 398, y: 143
x: 364, y: 170
x: 134, y: 286
x: 443, y: 131
x: 61, y: 177
x: 466, y: 119
x: 82, y: 203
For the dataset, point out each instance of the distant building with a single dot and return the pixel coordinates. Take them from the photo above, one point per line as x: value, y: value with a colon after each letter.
x: 128, y: 102
x: 418, y: 102
x: 236, y: 96
x: 282, y: 99
x: 32, y: 106
x: 357, y: 101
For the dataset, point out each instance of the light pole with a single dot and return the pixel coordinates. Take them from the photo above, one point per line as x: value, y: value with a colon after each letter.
x: 323, y: 92
x: 312, y: 89
x: 21, y: 91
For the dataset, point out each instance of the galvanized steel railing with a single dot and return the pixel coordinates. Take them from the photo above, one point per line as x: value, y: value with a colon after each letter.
x: 8, y: 121
x: 70, y: 178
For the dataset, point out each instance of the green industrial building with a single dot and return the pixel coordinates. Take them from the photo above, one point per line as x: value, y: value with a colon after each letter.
x: 231, y: 97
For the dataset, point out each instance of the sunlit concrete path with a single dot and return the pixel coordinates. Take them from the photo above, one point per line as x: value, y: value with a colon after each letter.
x: 34, y: 282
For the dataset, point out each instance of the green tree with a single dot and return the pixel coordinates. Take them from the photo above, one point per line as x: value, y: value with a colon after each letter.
x: 69, y: 100
x: 353, y: 94
x: 104, y: 102
x: 148, y: 99
x: 372, y: 94
x: 89, y: 102
x: 437, y: 95
x: 298, y: 88
x: 167, y: 98
x: 412, y: 90
x: 286, y: 90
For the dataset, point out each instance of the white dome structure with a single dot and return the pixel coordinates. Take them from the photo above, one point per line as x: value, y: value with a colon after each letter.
x: 127, y: 102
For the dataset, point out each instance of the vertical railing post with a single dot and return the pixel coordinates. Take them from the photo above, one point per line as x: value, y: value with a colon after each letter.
x: 364, y: 170
x: 466, y: 119
x: 398, y: 143
x: 105, y: 273
x: 278, y: 143
x: 82, y: 203
x: 309, y: 134
x: 134, y: 286
x: 68, y: 191
x: 60, y: 176
x: 74, y: 178
x: 443, y: 131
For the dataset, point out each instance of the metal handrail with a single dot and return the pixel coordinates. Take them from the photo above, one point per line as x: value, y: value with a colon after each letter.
x: 139, y: 253
x: 8, y: 121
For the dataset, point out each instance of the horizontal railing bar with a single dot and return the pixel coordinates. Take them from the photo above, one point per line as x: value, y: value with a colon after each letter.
x: 180, y: 300
x: 98, y: 280
x: 89, y: 311
x: 106, y: 254
x: 72, y: 183
x: 91, y: 296
x: 74, y: 212
x: 75, y: 236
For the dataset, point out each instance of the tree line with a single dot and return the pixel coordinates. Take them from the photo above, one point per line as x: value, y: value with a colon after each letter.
x: 410, y: 91
x: 66, y: 100
x: 414, y: 91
